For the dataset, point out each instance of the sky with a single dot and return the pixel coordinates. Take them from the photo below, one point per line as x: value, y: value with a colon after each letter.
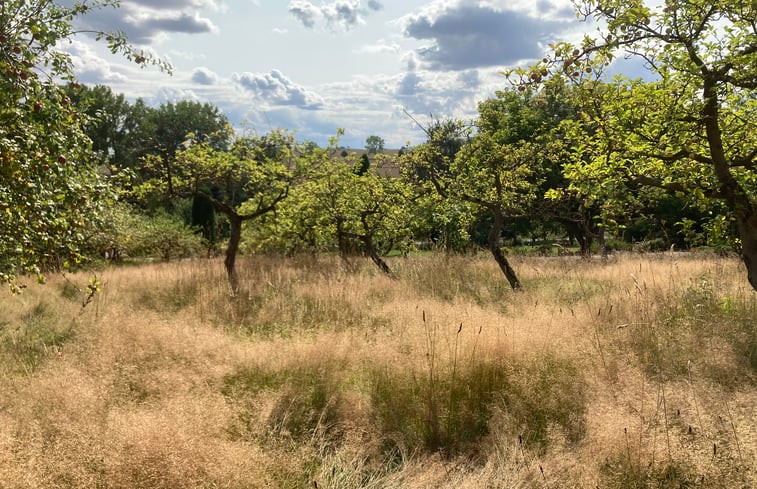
x: 315, y: 66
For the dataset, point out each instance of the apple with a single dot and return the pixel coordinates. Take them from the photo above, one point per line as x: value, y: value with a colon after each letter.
x: 62, y: 160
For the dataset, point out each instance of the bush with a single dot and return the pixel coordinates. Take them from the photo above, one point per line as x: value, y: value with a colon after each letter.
x: 126, y: 233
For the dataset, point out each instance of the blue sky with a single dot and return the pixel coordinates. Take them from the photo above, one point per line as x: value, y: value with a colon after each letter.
x: 314, y: 66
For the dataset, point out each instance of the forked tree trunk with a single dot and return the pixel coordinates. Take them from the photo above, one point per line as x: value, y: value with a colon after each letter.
x: 499, y: 256
x: 231, y: 252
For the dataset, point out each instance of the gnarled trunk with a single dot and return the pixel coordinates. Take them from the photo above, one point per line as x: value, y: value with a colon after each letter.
x: 497, y: 253
x: 373, y: 253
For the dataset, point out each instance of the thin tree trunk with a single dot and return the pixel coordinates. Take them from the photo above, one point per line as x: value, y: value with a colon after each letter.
x: 748, y: 234
x: 342, y: 243
x: 602, y: 241
x: 373, y: 253
x: 496, y: 251
x: 231, y: 252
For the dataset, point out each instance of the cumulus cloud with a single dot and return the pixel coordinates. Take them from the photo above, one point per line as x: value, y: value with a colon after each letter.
x: 444, y: 94
x: 204, y: 76
x: 89, y: 67
x: 277, y: 89
x: 409, y: 85
x: 466, y: 36
x: 341, y: 13
x: 305, y: 12
x: 145, y: 21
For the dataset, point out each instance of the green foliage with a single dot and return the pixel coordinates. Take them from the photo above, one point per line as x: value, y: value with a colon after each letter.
x: 117, y: 128
x: 173, y: 124
x: 125, y: 233
x: 689, y: 131
x: 204, y: 216
x: 337, y: 208
x: 50, y: 190
x: 362, y: 166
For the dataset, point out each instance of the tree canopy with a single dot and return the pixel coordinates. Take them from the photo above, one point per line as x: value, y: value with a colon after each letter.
x: 690, y: 128
x: 50, y: 189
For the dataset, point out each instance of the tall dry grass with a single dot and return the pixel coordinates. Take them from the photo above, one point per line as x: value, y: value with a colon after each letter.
x: 638, y: 372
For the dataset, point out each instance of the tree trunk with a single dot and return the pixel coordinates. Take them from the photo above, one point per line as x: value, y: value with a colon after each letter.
x: 373, y: 253
x: 342, y: 243
x: 496, y: 251
x: 748, y: 235
x: 231, y: 252
x: 602, y: 242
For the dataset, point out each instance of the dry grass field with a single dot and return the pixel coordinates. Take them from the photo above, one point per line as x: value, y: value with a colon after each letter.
x: 638, y: 372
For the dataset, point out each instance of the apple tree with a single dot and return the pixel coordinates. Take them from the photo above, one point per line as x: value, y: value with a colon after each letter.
x: 689, y: 129
x: 50, y: 189
x: 252, y: 179
x: 337, y: 208
x: 499, y: 169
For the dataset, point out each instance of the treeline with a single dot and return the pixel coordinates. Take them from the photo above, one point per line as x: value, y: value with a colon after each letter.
x: 187, y: 184
x: 563, y: 153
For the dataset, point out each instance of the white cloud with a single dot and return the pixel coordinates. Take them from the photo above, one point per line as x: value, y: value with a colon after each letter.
x: 204, y: 76
x: 344, y: 14
x: 382, y: 46
x: 277, y: 89
x: 90, y: 67
x: 148, y: 21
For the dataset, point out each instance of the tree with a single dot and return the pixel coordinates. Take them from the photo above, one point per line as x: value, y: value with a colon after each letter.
x: 252, y: 179
x: 170, y: 124
x: 50, y: 189
x: 363, y: 164
x: 116, y: 127
x: 499, y: 169
x: 374, y: 144
x: 337, y: 208
x: 125, y: 232
x: 690, y: 131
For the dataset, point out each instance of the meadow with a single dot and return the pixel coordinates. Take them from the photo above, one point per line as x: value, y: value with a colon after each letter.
x: 635, y: 372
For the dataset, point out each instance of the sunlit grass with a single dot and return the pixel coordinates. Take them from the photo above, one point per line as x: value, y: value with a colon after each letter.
x: 638, y: 371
